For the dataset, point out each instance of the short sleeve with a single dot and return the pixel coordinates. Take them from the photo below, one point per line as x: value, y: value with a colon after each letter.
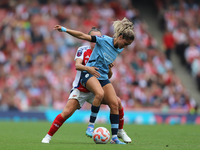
x: 79, y: 53
x: 100, y: 38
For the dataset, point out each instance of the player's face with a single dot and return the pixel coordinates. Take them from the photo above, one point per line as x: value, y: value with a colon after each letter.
x: 93, y: 33
x: 123, y: 43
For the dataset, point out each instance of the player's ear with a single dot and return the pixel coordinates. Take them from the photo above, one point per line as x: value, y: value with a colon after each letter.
x: 120, y: 37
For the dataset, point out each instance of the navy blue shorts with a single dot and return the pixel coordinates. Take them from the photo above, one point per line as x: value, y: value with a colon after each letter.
x: 85, y: 76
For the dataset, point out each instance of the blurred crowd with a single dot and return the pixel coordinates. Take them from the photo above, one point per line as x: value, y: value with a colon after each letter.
x: 37, y: 64
x: 181, y: 22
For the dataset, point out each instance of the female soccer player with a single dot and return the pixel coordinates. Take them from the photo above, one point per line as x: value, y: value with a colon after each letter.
x: 82, y: 94
x: 104, y: 53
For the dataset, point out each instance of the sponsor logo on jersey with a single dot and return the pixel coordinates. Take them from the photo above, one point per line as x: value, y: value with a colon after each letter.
x: 108, y: 48
x: 79, y: 53
x: 108, y: 58
x: 74, y: 95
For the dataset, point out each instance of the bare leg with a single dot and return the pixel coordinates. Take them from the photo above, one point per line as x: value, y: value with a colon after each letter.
x: 94, y: 86
x: 110, y: 98
x: 70, y: 108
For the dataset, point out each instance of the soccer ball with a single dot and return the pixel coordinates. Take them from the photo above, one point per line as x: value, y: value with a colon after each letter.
x: 101, y: 135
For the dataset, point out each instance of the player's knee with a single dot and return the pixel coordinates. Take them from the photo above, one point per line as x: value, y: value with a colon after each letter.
x: 99, y: 95
x: 66, y: 113
x: 119, y: 103
x: 114, y: 105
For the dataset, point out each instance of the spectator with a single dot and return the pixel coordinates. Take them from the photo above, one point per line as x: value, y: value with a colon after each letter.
x: 191, y: 53
x: 168, y: 42
x: 195, y: 69
x: 37, y: 65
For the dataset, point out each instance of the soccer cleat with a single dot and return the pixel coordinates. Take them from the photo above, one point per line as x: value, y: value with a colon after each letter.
x: 122, y: 134
x: 115, y: 140
x: 90, y: 130
x: 46, y: 140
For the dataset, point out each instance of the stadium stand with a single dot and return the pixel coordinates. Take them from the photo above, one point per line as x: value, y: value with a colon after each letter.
x: 37, y: 64
x: 181, y: 18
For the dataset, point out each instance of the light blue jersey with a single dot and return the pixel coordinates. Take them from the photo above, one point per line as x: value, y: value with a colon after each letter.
x: 103, y: 54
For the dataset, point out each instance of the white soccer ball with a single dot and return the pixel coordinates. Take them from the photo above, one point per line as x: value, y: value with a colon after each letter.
x: 101, y: 135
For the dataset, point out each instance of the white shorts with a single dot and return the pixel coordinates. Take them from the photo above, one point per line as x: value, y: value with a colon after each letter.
x: 81, y: 97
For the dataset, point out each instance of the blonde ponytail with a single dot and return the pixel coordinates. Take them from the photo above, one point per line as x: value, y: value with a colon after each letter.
x: 125, y: 28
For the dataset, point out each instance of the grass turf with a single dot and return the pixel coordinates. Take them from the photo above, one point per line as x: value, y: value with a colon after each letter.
x: 28, y: 135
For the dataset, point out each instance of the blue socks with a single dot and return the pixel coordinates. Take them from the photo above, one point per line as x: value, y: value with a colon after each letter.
x: 114, y: 119
x: 94, y: 112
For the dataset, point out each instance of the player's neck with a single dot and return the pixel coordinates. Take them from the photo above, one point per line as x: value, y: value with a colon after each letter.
x: 115, y: 42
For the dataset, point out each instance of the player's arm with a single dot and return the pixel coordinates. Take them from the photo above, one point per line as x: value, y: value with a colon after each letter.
x: 74, y: 33
x: 92, y: 70
x: 110, y: 73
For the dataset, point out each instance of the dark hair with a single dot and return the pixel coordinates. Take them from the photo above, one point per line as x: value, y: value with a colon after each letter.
x: 94, y: 29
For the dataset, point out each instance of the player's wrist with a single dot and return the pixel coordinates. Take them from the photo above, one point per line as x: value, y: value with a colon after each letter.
x: 63, y: 29
x: 86, y: 68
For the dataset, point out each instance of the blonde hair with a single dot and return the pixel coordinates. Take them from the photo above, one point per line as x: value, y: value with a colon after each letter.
x: 125, y: 28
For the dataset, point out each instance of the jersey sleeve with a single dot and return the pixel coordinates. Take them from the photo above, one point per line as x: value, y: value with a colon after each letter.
x: 99, y: 39
x: 79, y: 53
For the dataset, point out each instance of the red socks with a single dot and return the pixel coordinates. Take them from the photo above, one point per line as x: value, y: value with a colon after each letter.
x: 57, y: 123
x: 121, y: 118
x: 59, y: 120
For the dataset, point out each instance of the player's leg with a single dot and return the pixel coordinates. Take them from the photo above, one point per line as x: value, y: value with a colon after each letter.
x: 70, y: 108
x: 121, y: 133
x: 94, y: 86
x: 121, y: 114
x: 111, y: 99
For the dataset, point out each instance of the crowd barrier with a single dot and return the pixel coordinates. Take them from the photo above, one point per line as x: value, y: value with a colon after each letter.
x: 21, y: 116
x: 82, y: 116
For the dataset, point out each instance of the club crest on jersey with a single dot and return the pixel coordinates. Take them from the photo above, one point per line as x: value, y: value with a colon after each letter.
x: 79, y: 53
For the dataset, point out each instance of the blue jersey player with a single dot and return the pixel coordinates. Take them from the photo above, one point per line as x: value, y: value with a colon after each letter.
x: 104, y: 53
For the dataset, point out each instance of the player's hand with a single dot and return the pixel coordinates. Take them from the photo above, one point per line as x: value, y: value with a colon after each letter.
x: 111, y: 65
x: 57, y: 27
x: 94, y: 72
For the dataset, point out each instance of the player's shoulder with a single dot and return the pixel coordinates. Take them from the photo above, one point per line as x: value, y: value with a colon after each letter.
x: 103, y: 36
x: 81, y: 50
x: 84, y: 48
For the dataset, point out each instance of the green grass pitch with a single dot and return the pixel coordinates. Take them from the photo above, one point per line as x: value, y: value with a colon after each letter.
x: 28, y: 136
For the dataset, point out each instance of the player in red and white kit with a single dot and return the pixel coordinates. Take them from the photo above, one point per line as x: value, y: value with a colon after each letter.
x: 79, y: 94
